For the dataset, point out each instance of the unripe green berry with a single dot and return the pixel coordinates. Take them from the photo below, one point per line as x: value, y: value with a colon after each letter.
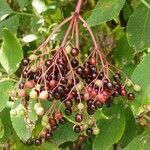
x: 33, y: 68
x: 48, y: 126
x: 45, y: 118
x: 79, y: 86
x: 44, y: 124
x: 68, y: 49
x: 96, y: 131
x: 80, y: 106
x: 98, y: 83
x: 129, y: 83
x: 91, y: 122
x: 137, y: 88
x: 43, y: 95
x: 13, y: 112
x: 40, y: 111
x: 32, y: 57
x: 37, y: 105
x: 21, y: 112
x: 33, y: 94
x: 85, y: 126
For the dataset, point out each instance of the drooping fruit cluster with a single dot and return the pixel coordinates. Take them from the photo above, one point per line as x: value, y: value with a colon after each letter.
x: 71, y: 86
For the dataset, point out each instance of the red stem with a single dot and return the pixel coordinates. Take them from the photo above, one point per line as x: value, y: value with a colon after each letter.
x: 94, y: 40
x: 78, y: 8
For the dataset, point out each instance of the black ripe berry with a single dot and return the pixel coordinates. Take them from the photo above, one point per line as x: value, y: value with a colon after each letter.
x: 77, y: 129
x: 48, y: 136
x: 62, y: 120
x: 131, y: 96
x: 89, y: 131
x: 48, y: 63
x: 79, y: 70
x: 74, y: 52
x: 74, y: 63
x: 68, y: 112
x: 38, y: 142
x: 25, y: 61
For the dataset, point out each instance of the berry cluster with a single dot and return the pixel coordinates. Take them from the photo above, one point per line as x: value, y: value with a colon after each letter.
x: 71, y: 85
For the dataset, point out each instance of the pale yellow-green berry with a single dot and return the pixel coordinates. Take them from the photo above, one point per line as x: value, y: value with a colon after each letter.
x: 13, y: 112
x: 80, y: 106
x: 129, y: 83
x: 137, y: 88
x: 96, y: 130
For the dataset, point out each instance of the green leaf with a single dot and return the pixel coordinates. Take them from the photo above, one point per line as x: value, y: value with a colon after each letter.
x: 5, y: 10
x: 47, y: 145
x: 141, y: 142
x: 11, y: 52
x: 20, y: 126
x: 23, y: 3
x: 8, y: 24
x: 111, y: 130
x: 138, y: 30
x: 5, y: 86
x: 32, y: 114
x: 5, y: 117
x: 64, y: 133
x: 141, y: 76
x: 130, y: 129
x: 123, y: 52
x: 105, y: 11
x: 1, y: 129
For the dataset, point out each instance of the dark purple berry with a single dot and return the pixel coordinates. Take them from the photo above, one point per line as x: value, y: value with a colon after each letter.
x: 77, y: 129
x: 25, y: 61
x: 74, y: 52
x: 78, y: 117
x: 74, y: 63
x: 89, y: 132
x: 38, y: 142
x: 68, y: 112
x: 62, y: 120
x: 48, y: 63
x: 131, y: 96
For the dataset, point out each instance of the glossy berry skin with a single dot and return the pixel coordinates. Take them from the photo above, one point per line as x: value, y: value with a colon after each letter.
x: 25, y: 61
x: 117, y: 77
x: 92, y: 61
x: 74, y: 52
x: 78, y: 117
x: 68, y: 112
x: 21, y: 85
x: 77, y: 129
x: 48, y: 63
x: 62, y: 120
x: 98, y: 104
x: 52, y: 83
x: 74, y: 63
x: 109, y: 85
x: 58, y: 115
x: 131, y: 96
x: 79, y: 70
x: 68, y: 104
x: 89, y: 132
x: 38, y: 142
x: 90, y: 111
x: 48, y: 136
